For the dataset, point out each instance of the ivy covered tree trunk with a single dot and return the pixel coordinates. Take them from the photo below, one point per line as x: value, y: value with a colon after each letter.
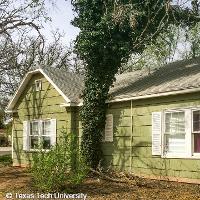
x: 93, y: 113
x: 109, y: 32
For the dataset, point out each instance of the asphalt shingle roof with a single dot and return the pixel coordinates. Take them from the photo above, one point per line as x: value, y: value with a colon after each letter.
x: 176, y: 76
x: 69, y: 83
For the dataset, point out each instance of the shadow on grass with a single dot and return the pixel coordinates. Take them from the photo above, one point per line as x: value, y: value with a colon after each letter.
x: 97, y: 187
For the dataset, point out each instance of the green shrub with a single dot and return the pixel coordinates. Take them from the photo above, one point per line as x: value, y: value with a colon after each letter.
x: 6, y: 160
x: 52, y: 170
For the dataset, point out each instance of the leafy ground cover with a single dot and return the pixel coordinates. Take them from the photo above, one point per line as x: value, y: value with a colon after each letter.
x: 18, y: 180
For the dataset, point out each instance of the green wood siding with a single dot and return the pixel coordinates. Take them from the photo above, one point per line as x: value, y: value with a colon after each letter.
x: 131, y: 148
x: 38, y: 105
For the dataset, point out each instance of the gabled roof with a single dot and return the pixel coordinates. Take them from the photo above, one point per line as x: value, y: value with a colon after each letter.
x: 69, y: 85
x: 174, y: 78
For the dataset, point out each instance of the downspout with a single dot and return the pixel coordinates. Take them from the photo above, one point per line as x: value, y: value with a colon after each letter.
x: 131, y: 136
x: 12, y: 140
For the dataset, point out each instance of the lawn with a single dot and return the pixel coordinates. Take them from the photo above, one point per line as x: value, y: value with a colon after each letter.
x: 18, y: 180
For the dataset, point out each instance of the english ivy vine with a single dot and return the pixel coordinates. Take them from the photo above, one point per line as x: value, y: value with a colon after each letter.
x: 109, y: 32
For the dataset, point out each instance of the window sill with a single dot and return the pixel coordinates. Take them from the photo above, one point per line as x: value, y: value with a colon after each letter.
x: 175, y: 157
x: 172, y: 155
x: 36, y: 150
x: 195, y: 157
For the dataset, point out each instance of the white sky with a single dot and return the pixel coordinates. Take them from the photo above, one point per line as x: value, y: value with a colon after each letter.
x: 61, y: 16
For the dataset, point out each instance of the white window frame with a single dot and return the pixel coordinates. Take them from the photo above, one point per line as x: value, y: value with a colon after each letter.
x: 42, y: 131
x: 40, y: 135
x: 29, y: 134
x: 195, y: 155
x: 164, y: 153
x: 38, y: 87
x: 189, y: 134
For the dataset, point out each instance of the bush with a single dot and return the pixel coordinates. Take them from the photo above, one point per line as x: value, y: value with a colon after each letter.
x: 6, y: 160
x: 61, y: 165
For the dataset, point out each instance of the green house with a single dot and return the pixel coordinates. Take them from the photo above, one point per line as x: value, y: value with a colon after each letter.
x: 152, y: 126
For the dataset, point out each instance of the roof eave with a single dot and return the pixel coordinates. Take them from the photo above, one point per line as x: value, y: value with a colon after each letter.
x: 186, y: 91
x: 13, y: 101
x: 71, y: 104
x: 22, y: 86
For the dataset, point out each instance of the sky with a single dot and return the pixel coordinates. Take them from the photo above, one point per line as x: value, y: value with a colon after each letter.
x: 61, y: 16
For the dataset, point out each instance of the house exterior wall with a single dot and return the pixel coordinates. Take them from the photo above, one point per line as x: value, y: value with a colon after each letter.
x: 131, y: 149
x: 44, y: 104
x: 131, y: 146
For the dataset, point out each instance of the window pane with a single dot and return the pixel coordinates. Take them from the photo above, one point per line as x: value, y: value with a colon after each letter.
x: 38, y: 85
x: 167, y: 122
x: 46, y: 127
x: 175, y: 143
x: 196, y: 120
x: 34, y: 142
x: 196, y: 126
x: 175, y: 123
x: 46, y: 143
x: 196, y: 143
x: 34, y: 128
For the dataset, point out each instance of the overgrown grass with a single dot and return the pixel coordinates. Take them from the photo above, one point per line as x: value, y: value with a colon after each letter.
x: 5, y: 160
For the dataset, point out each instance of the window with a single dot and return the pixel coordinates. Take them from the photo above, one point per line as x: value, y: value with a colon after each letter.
x: 176, y: 133
x: 46, y: 133
x: 39, y: 133
x: 38, y: 85
x: 196, y: 131
x: 34, y: 134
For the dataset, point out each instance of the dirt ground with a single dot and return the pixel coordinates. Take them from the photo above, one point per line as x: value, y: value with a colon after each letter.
x: 16, y: 180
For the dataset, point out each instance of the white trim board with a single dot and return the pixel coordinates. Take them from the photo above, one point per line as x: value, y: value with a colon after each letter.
x: 23, y: 84
x: 68, y: 103
x: 186, y: 91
